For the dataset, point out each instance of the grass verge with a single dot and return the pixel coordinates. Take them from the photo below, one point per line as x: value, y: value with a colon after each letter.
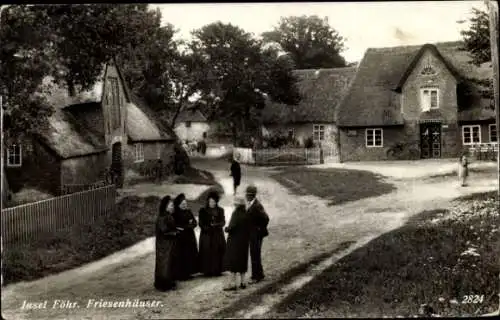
x: 336, y: 185
x: 133, y: 221
x: 438, y: 258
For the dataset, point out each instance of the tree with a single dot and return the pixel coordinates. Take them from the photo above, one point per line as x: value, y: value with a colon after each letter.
x: 477, y: 42
x: 70, y: 43
x: 311, y: 41
x: 238, y: 75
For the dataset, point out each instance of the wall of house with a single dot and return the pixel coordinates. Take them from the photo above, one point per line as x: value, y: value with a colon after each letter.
x: 84, y: 170
x: 303, y: 131
x: 113, y: 134
x: 447, y: 101
x: 152, y: 152
x: 353, y: 144
x: 40, y: 169
x: 193, y: 132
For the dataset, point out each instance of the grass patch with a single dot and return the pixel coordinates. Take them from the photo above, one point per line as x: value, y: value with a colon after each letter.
x: 274, y: 286
x: 195, y: 176
x: 133, y: 221
x: 435, y: 259
x: 336, y: 185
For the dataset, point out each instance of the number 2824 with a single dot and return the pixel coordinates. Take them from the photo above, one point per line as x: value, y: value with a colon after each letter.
x: 473, y: 298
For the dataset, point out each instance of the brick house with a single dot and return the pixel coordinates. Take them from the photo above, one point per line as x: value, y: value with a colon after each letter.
x: 321, y: 91
x: 420, y: 95
x: 87, y: 134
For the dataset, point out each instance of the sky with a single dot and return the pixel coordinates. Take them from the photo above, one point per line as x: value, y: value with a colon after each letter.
x: 363, y: 24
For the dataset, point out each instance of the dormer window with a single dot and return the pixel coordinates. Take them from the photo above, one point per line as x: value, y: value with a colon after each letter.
x: 429, y: 99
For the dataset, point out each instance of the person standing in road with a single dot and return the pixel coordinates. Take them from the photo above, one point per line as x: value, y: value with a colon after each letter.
x: 463, y: 170
x: 165, y: 246
x: 212, y: 242
x: 236, y: 172
x: 258, y: 231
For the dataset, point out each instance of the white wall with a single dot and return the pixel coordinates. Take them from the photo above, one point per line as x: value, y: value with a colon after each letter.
x: 194, y: 132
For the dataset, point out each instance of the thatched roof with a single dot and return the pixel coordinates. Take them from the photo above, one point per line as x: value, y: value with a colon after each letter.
x: 321, y: 89
x: 191, y: 115
x: 76, y: 127
x: 372, y: 99
x: 70, y: 137
x: 166, y: 132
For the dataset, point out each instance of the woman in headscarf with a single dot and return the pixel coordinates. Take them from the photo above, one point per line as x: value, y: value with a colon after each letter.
x: 212, y: 241
x: 238, y: 244
x: 187, y: 261
x: 165, y: 246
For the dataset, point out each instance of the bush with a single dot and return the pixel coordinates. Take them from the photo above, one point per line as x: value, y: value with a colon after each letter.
x: 309, y: 143
x: 181, y: 159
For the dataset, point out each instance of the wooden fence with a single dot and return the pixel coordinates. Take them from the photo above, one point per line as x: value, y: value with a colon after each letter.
x: 30, y: 222
x: 286, y: 156
x: 484, y: 151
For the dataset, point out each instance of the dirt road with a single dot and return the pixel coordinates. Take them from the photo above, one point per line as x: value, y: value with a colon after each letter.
x: 301, y: 228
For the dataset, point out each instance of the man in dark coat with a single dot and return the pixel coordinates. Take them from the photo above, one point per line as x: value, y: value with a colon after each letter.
x: 258, y: 230
x: 236, y: 172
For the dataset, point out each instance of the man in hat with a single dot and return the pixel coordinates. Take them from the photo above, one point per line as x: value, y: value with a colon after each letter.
x: 258, y: 230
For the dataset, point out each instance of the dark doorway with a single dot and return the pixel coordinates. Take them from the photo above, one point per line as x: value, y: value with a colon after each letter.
x: 117, y: 164
x: 430, y: 140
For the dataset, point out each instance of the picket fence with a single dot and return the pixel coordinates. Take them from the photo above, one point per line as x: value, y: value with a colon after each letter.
x: 284, y: 156
x: 30, y: 222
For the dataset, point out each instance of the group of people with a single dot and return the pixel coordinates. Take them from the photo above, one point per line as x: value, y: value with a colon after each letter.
x: 177, y: 254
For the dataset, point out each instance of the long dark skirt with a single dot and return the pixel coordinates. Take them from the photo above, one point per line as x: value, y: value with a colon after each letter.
x: 236, y: 257
x: 164, y: 267
x: 212, y: 249
x: 186, y: 255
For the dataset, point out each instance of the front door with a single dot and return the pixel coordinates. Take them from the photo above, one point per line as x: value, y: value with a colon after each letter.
x: 116, y: 164
x: 430, y: 140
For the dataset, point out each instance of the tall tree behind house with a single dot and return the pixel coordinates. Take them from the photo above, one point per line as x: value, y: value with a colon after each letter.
x: 310, y: 40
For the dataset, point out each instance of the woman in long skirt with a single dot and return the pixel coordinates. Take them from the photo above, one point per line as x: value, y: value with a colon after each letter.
x: 165, y: 246
x: 212, y: 242
x: 238, y: 244
x: 463, y: 170
x: 187, y: 260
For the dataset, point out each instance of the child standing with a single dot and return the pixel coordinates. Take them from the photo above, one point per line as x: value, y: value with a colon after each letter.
x: 463, y: 170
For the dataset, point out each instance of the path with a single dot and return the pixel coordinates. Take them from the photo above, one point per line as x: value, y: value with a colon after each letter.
x: 301, y: 228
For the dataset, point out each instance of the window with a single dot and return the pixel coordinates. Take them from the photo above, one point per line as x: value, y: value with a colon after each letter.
x: 374, y: 138
x: 188, y: 124
x: 139, y: 152
x: 318, y: 132
x: 471, y: 134
x: 429, y: 99
x: 493, y: 133
x: 14, y: 156
x: 291, y: 133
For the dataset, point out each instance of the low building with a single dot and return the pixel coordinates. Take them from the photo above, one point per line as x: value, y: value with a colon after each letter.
x: 313, y: 118
x: 422, y: 98
x: 191, y: 125
x: 90, y: 132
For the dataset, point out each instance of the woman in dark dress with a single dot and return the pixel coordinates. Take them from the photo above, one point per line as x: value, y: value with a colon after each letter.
x: 238, y: 244
x: 187, y: 261
x: 212, y: 242
x: 165, y: 246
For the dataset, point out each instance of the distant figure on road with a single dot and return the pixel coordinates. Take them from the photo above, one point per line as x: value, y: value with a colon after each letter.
x: 258, y: 231
x: 212, y: 243
x: 238, y: 243
x: 165, y: 246
x: 236, y: 172
x: 463, y: 170
x: 186, y: 257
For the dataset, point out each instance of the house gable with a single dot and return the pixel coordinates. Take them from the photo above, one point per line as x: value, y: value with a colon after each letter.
x: 429, y: 88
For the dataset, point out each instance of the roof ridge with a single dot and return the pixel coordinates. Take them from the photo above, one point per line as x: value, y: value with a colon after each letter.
x: 414, y: 46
